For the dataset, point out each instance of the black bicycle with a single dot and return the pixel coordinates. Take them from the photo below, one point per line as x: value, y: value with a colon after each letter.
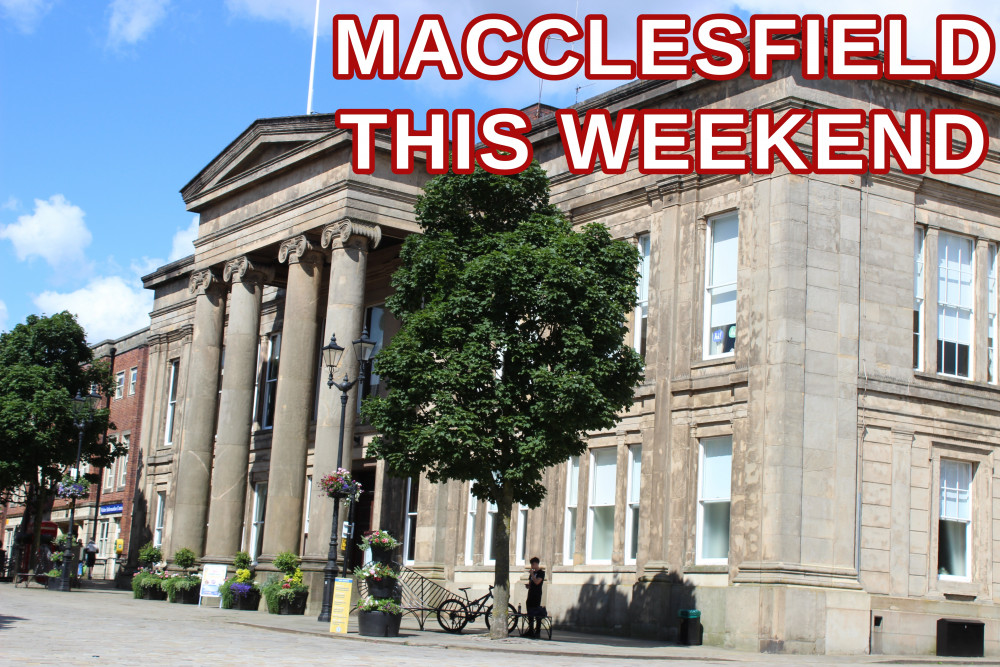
x: 454, y: 614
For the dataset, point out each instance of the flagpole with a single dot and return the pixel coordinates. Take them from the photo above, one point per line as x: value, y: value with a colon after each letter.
x: 312, y: 63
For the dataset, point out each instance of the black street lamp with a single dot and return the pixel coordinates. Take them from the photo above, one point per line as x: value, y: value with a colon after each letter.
x: 364, y: 349
x: 83, y: 411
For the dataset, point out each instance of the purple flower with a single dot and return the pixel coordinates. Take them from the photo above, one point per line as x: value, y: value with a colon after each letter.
x: 240, y: 590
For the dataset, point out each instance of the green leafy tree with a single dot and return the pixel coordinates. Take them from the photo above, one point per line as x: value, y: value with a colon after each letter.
x: 44, y: 363
x: 511, y: 346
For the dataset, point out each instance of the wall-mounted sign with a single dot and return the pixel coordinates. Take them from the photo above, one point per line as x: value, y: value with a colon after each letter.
x: 113, y: 508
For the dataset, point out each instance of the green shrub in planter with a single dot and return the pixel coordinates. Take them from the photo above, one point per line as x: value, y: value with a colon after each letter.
x: 184, y: 558
x: 242, y: 560
x: 179, y: 583
x: 150, y: 555
x: 142, y: 580
x: 287, y: 563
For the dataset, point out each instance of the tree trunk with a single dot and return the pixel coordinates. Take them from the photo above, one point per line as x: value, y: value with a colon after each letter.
x: 36, y: 535
x: 501, y: 578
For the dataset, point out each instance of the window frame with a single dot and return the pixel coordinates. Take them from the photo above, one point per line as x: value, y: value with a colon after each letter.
x: 133, y: 379
x: 161, y: 507
x: 958, y: 308
x: 700, y: 559
x: 572, y: 510
x: 919, y: 295
x: 992, y: 353
x: 171, y: 416
x: 640, y: 320
x: 520, y: 542
x: 270, y: 392
x: 410, y: 520
x: 632, y: 529
x: 491, y: 515
x: 257, y: 521
x: 125, y: 439
x: 470, y: 527
x: 970, y: 494
x: 711, y: 289
x: 592, y: 506
x: 119, y: 385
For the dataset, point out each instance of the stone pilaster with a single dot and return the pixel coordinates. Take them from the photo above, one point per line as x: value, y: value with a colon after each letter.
x: 195, y: 460
x: 293, y: 405
x: 349, y: 242
x: 232, y: 448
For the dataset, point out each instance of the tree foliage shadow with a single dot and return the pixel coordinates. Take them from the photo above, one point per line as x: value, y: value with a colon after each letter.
x: 649, y: 610
x: 6, y: 621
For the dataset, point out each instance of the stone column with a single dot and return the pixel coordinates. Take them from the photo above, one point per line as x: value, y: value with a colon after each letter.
x: 293, y: 405
x: 349, y: 242
x: 232, y: 446
x: 194, y: 463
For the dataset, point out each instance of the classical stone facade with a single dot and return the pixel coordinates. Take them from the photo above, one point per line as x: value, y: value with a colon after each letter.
x: 809, y: 461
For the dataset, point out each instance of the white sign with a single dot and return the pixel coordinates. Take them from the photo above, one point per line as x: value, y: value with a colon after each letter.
x: 212, y: 577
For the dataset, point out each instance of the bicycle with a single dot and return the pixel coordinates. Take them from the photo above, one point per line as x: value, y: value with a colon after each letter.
x: 454, y: 614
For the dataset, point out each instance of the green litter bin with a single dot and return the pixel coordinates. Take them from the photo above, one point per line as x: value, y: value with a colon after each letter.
x: 690, y: 634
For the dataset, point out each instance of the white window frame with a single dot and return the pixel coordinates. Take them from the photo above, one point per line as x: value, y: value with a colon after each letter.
x: 308, y: 494
x: 632, y: 499
x: 410, y: 525
x: 572, y: 503
x: 168, y: 438
x: 161, y: 506
x: 108, y: 483
x: 491, y: 515
x: 592, y: 506
x: 522, y: 535
x: 258, y: 519
x: 641, y: 318
x: 967, y: 520
x: 470, y: 527
x: 919, y: 300
x: 103, y: 537
x: 991, y: 314
x: 958, y: 308
x: 702, y: 501
x: 376, y: 335
x: 125, y: 439
x: 119, y: 385
x: 712, y: 289
x: 270, y: 384
x: 133, y: 378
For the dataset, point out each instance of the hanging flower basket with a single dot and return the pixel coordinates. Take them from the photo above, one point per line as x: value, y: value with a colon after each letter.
x: 73, y: 488
x: 340, y: 484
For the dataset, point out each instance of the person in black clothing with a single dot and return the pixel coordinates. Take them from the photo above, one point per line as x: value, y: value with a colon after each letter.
x: 534, y: 602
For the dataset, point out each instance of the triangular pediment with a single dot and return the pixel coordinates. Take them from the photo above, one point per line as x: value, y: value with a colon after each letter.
x: 260, y: 149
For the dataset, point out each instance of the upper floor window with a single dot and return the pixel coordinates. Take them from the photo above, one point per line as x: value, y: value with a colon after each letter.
x: 918, y: 297
x: 714, y: 488
x: 720, y: 285
x: 133, y: 378
x: 119, y: 385
x: 955, y: 523
x: 991, y: 316
x: 956, y: 296
x: 374, y: 324
x: 172, y: 402
x: 642, y: 298
x: 271, y: 380
x: 123, y: 461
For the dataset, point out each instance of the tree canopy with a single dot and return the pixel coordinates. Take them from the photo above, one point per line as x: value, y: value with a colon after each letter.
x: 44, y: 362
x: 511, y: 346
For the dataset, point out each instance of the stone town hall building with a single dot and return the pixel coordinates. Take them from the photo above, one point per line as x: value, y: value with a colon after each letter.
x: 809, y: 461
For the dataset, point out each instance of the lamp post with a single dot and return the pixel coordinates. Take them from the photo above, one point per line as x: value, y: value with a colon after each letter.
x: 83, y: 409
x: 364, y: 348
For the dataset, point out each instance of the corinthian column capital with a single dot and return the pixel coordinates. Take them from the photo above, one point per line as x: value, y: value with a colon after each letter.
x: 243, y: 270
x: 204, y: 281
x: 345, y: 233
x: 298, y: 250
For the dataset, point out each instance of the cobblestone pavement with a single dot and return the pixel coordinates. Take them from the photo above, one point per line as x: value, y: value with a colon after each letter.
x: 38, y: 626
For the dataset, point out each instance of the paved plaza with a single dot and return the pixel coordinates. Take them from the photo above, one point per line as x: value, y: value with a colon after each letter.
x: 104, y: 627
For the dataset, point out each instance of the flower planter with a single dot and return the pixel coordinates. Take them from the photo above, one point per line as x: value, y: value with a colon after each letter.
x: 248, y: 602
x: 378, y: 624
x: 381, y: 555
x: 52, y: 583
x: 154, y: 593
x: 381, y: 588
x: 295, y: 606
x: 190, y: 596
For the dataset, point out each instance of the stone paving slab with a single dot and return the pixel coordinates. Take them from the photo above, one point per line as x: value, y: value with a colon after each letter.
x: 108, y: 627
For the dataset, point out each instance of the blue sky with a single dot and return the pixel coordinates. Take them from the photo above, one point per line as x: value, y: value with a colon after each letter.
x: 107, y: 108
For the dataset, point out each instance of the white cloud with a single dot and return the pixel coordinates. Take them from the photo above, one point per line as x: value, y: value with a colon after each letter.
x: 107, y: 307
x: 25, y: 14
x: 183, y: 240
x: 3, y: 316
x: 55, y: 232
x: 131, y: 20
x: 12, y: 204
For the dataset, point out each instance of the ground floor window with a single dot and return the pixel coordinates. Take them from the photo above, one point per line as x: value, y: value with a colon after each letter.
x: 257, y: 527
x: 601, y: 517
x: 955, y: 522
x: 161, y: 505
x: 410, y: 529
x: 714, y: 486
